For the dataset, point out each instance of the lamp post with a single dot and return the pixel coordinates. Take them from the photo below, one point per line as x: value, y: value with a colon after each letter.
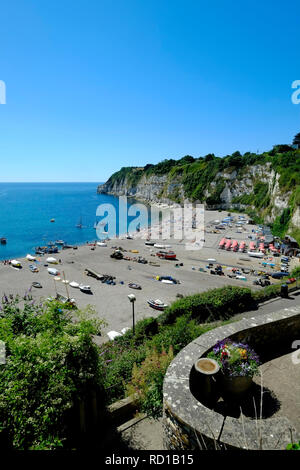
x: 132, y: 299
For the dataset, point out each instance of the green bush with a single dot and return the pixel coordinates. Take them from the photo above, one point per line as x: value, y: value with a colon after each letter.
x: 211, y: 305
x: 147, y: 381
x: 51, y: 362
x: 296, y: 272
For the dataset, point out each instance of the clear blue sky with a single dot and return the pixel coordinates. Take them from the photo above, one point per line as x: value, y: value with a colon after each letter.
x: 93, y: 85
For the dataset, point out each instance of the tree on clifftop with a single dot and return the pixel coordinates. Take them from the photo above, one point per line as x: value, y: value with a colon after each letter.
x: 296, y: 140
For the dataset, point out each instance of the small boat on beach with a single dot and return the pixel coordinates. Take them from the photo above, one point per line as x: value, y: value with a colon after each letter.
x: 74, y: 284
x: 101, y: 244
x: 256, y: 254
x: 52, y: 260
x: 84, y: 288
x: 157, y: 304
x: 133, y: 285
x: 33, y: 268
x: 38, y: 285
x: 30, y: 258
x: 53, y: 271
x: 166, y: 254
x: 15, y: 263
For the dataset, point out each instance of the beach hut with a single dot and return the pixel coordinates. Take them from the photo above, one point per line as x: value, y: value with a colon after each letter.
x: 252, y: 246
x: 242, y: 247
x: 235, y: 245
x: 222, y: 243
x: 228, y: 245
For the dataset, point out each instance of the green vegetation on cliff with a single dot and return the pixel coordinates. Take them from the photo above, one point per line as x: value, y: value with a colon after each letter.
x: 204, y: 179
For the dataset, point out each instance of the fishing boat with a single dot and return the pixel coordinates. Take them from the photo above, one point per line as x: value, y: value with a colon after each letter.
x: 15, y: 263
x: 256, y: 254
x: 3, y: 241
x: 59, y: 242
x: 53, y: 271
x: 38, y: 285
x: 52, y: 220
x: 157, y: 304
x: 74, y: 284
x: 84, y: 288
x: 52, y: 260
x: 33, y: 268
x: 166, y: 254
x: 133, y: 285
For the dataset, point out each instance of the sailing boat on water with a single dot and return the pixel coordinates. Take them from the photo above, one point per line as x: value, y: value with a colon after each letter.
x: 79, y: 225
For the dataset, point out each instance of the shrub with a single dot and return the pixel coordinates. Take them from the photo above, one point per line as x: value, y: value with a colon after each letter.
x: 296, y: 272
x: 267, y: 293
x: 147, y: 381
x: 51, y: 362
x: 211, y: 305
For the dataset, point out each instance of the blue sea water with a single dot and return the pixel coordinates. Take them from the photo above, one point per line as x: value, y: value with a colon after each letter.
x: 26, y: 210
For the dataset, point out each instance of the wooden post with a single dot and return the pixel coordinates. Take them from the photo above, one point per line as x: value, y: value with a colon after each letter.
x: 66, y: 285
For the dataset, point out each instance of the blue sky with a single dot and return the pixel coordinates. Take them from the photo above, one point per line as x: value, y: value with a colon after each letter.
x: 94, y: 85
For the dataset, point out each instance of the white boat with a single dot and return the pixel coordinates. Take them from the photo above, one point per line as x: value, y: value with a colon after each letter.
x: 157, y: 304
x: 256, y: 254
x: 213, y: 260
x: 161, y: 246
x: 53, y: 271
x: 167, y: 281
x: 30, y: 258
x: 101, y: 244
x: 51, y: 260
x: 84, y: 288
x: 15, y: 263
x: 74, y: 284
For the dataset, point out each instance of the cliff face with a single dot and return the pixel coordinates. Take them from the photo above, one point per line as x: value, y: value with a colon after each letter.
x: 266, y: 186
x: 154, y: 188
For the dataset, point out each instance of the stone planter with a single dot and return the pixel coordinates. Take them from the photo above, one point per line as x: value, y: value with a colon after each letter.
x: 234, y: 386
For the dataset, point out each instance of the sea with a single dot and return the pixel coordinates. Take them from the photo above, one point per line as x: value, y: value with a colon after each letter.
x: 27, y: 208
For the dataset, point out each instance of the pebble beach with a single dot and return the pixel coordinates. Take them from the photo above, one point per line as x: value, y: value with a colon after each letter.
x: 110, y: 301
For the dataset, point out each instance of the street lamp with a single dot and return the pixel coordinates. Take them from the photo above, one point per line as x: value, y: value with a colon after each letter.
x: 132, y: 299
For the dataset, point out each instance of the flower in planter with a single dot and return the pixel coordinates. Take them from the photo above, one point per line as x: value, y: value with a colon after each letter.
x: 235, y: 359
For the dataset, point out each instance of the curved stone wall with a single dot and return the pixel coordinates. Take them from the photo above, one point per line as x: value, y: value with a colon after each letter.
x: 190, y: 424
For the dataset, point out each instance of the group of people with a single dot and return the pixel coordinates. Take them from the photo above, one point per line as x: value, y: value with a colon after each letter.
x: 6, y: 261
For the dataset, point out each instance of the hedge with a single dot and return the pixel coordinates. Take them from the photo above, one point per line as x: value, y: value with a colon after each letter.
x: 211, y: 305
